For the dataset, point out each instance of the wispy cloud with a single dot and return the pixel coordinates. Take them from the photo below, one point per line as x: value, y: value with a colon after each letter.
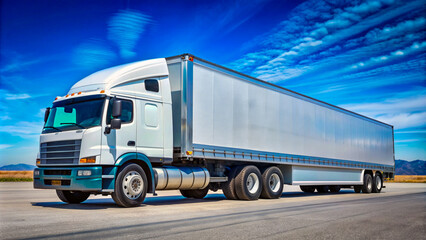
x: 23, y: 129
x: 93, y: 54
x: 4, y: 146
x: 125, y: 29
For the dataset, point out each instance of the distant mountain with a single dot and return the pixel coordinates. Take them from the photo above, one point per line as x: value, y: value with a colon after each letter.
x: 417, y: 167
x: 18, y: 167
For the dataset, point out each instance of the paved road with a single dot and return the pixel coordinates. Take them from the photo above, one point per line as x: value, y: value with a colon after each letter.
x: 399, y: 212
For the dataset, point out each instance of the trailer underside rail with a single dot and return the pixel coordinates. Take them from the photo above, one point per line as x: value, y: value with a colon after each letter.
x: 235, y: 154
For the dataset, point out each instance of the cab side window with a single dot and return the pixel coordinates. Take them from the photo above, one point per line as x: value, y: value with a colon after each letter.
x: 152, y: 85
x: 126, y: 111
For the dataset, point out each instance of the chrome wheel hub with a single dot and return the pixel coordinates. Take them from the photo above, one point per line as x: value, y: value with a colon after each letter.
x: 274, y: 182
x: 378, y: 182
x: 252, y: 183
x: 132, y: 185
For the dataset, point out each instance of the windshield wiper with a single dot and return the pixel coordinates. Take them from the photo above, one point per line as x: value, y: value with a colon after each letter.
x: 78, y: 125
x: 53, y: 128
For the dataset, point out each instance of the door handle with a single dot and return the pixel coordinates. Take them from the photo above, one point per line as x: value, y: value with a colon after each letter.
x: 131, y: 143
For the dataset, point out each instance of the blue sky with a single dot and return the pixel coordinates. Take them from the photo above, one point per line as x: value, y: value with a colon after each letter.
x: 366, y: 56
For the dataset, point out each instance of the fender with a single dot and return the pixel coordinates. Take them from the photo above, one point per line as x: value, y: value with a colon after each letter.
x: 140, y: 157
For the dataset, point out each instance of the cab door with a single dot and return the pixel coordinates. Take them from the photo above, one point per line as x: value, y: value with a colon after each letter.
x: 150, y: 139
x: 119, y: 141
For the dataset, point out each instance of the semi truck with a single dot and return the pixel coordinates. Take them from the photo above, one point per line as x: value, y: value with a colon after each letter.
x: 183, y: 123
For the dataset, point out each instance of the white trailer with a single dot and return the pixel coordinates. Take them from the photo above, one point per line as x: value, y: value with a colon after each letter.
x: 186, y: 123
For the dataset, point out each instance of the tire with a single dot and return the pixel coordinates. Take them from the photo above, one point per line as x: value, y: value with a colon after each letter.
x: 196, y: 193
x: 358, y: 189
x: 307, y: 189
x: 186, y: 193
x: 368, y: 184
x: 273, y: 183
x: 377, y: 183
x: 322, y: 189
x: 228, y: 188
x: 334, y: 189
x: 130, y: 186
x: 248, y: 183
x: 72, y: 196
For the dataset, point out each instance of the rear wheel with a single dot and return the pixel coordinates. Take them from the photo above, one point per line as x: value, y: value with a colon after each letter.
x: 273, y: 183
x: 131, y: 186
x: 228, y: 187
x: 72, y: 196
x: 334, y: 189
x: 322, y: 189
x: 377, y: 183
x: 307, y: 189
x: 248, y: 183
x: 368, y: 184
x: 195, y: 193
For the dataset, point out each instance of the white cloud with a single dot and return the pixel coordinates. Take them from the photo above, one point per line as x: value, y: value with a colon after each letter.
x: 125, y: 29
x: 4, y: 146
x: 298, y: 43
x: 23, y: 129
x: 405, y: 120
x: 380, y: 34
x: 414, y: 48
x: 93, y: 54
x: 19, y: 96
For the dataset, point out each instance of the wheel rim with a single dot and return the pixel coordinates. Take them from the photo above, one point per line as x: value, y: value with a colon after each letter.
x: 274, y: 182
x: 378, y: 182
x: 370, y: 184
x: 252, y: 183
x: 132, y: 185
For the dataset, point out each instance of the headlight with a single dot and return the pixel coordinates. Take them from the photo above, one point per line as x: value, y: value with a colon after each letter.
x: 84, y: 172
x: 36, y: 172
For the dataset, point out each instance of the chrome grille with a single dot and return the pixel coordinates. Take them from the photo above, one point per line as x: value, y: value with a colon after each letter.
x: 60, y: 152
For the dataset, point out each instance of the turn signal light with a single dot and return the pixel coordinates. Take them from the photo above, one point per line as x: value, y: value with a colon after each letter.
x: 188, y: 152
x: 38, y: 161
x: 102, y: 91
x: 88, y: 160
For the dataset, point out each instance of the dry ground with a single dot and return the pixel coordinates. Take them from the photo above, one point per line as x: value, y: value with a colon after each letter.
x: 16, y: 176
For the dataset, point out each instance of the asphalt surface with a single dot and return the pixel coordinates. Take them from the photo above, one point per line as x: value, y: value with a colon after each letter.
x: 399, y: 212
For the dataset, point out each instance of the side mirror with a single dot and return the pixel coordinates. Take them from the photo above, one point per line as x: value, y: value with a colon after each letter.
x: 115, y: 123
x: 116, y: 109
x: 46, y: 114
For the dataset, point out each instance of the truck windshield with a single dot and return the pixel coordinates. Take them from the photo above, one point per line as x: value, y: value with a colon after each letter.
x: 75, y: 113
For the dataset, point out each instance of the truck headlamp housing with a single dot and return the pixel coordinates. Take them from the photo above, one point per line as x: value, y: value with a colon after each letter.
x: 36, y: 172
x: 84, y: 173
x: 88, y: 160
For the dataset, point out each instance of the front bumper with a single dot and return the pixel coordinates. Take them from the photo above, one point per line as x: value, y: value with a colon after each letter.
x: 69, y: 180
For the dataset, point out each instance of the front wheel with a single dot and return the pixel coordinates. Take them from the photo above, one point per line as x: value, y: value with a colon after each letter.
x: 72, y: 196
x: 130, y: 186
